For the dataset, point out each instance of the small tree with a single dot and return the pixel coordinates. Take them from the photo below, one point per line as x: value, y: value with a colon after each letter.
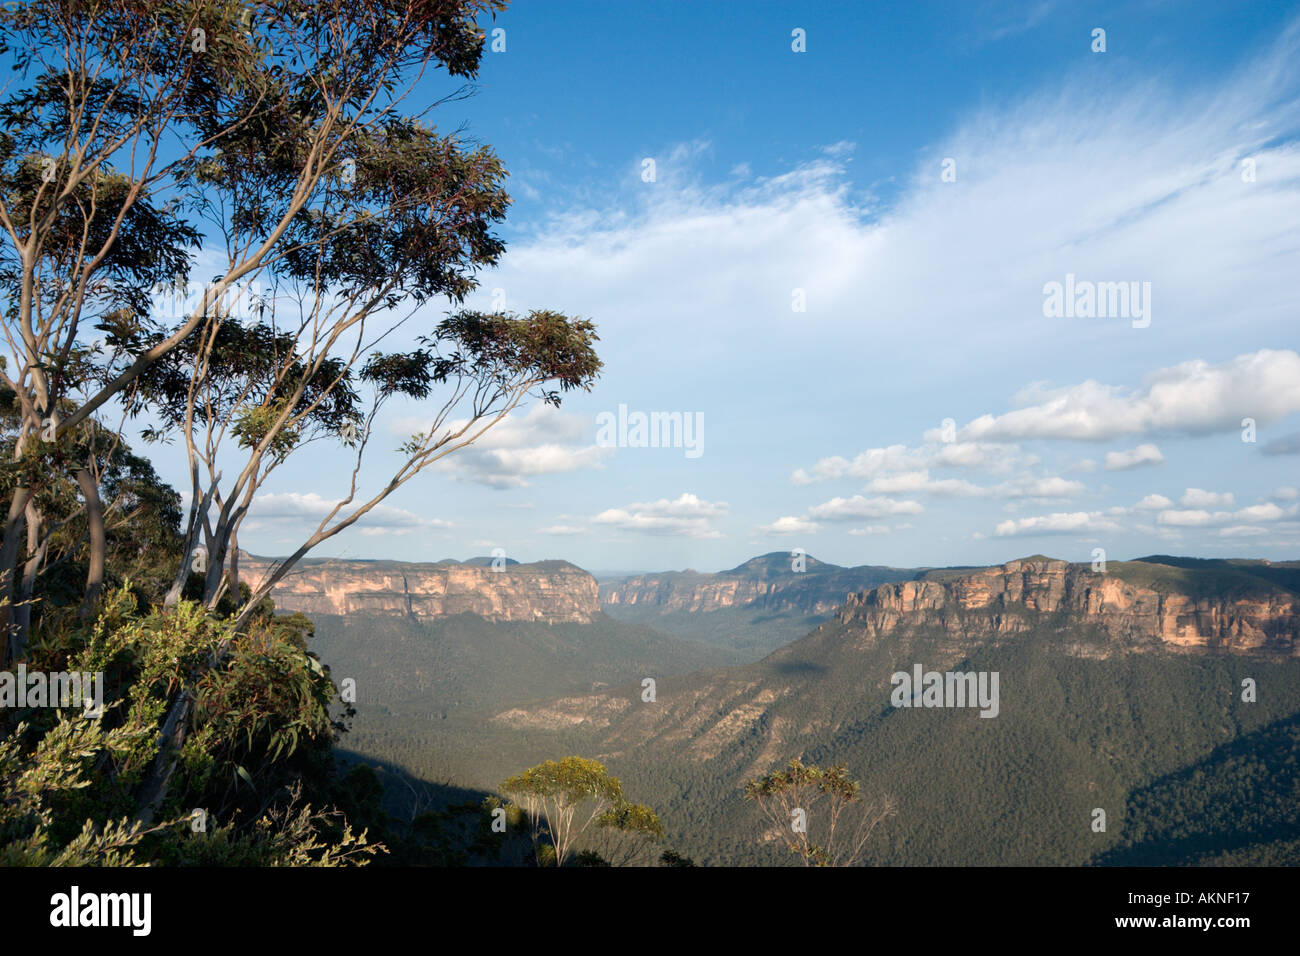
x: 820, y: 814
x: 570, y: 796
x: 626, y: 833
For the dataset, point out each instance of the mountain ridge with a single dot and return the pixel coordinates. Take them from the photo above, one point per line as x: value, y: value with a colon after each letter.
x: 769, y: 582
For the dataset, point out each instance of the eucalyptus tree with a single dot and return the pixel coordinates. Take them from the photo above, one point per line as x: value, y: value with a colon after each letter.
x: 278, y: 138
x: 819, y: 814
x: 577, y: 800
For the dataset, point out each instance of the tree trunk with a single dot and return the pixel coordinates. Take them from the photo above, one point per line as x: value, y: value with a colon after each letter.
x: 234, y: 567
x: 15, y: 640
x: 197, y: 513
x: 98, y: 541
x: 214, y: 578
x: 154, y: 789
x: 35, y: 554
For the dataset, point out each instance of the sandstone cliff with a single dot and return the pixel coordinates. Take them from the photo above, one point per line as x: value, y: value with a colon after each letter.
x: 1133, y: 602
x: 548, y: 591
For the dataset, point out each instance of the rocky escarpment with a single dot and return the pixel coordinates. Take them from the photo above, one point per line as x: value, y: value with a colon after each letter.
x: 1134, y: 602
x: 551, y: 592
x: 770, y: 582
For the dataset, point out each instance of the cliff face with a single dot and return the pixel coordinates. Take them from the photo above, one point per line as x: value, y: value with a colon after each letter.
x: 1023, y: 595
x: 549, y: 591
x: 711, y: 592
x: 768, y: 582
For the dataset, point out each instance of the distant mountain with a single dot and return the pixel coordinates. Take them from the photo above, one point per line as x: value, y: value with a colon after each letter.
x: 772, y: 582
x: 753, y: 608
x: 486, y: 561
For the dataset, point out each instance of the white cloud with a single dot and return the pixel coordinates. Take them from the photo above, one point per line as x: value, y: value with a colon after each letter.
x: 1196, y: 518
x: 1241, y: 531
x: 1154, y: 503
x: 995, y: 457
x: 790, y: 524
x: 1133, y: 458
x: 868, y: 464
x: 1200, y: 498
x: 848, y: 509
x: 903, y: 483
x: 310, y: 508
x: 903, y: 464
x: 1050, y: 487
x: 562, y: 529
x: 1059, y: 523
x: 542, y: 441
x: 1026, y: 486
x: 871, y: 529
x: 1190, y: 398
x: 1264, y: 512
x: 688, y: 515
x: 1201, y: 518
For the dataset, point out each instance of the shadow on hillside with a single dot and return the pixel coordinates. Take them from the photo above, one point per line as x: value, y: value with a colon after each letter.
x: 810, y: 621
x: 797, y: 668
x: 406, y: 796
x: 1236, y: 805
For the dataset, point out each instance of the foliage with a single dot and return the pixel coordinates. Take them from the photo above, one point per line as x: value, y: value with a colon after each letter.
x: 36, y: 780
x: 819, y: 814
x: 564, y: 799
x: 262, y: 732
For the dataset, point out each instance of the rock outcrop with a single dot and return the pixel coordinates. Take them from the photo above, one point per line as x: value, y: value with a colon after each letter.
x: 548, y: 591
x: 1039, y: 593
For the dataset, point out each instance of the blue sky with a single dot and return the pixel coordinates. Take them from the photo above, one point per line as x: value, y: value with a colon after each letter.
x: 817, y: 176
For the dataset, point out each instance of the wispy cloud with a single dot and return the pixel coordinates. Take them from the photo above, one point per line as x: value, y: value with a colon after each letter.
x: 309, y: 508
x: 1138, y: 457
x: 1059, y: 523
x: 688, y: 515
x: 541, y: 441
